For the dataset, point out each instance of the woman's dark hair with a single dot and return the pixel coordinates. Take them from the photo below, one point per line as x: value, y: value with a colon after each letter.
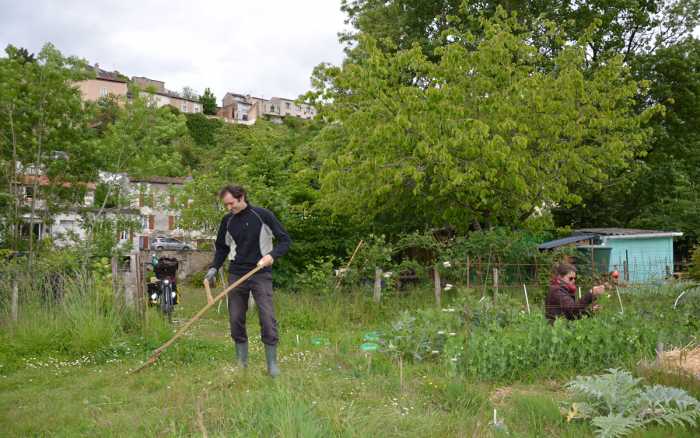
x: 237, y: 192
x: 564, y: 268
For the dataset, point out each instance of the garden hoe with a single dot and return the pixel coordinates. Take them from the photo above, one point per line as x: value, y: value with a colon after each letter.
x: 210, y: 303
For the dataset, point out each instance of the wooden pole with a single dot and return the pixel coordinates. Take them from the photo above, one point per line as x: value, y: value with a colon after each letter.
x: 619, y: 299
x: 210, y: 299
x: 15, y: 300
x: 151, y: 360
x: 377, y: 285
x: 438, y: 288
x: 352, y: 257
x: 527, y: 301
x: 468, y: 266
x: 495, y: 283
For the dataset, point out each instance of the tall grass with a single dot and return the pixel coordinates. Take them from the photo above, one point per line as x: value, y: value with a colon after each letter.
x: 69, y: 313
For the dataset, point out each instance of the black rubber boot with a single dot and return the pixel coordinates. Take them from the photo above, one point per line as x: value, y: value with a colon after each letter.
x: 271, y: 357
x: 242, y: 354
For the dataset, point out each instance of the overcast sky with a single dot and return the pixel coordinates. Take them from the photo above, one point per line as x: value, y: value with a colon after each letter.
x: 262, y: 47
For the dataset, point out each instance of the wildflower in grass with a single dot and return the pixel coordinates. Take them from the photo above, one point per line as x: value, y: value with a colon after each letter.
x: 441, y: 332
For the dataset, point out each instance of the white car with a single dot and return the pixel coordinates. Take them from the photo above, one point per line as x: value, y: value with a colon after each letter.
x: 168, y: 243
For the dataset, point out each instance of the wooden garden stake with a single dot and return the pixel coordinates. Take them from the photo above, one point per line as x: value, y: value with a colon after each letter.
x: 438, y: 288
x: 352, y: 257
x: 15, y: 300
x: 468, y: 266
x: 377, y: 285
x: 401, y: 372
x: 495, y: 283
x: 151, y: 360
x: 527, y: 301
x: 619, y: 299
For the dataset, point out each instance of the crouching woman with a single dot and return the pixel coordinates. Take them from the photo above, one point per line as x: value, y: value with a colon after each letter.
x: 561, y: 300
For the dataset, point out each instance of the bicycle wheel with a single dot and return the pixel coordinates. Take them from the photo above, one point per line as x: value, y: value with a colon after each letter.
x: 166, y: 303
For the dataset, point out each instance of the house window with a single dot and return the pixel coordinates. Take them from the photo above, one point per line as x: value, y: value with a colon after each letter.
x: 183, y: 107
x: 123, y: 235
x: 103, y: 91
x: 67, y: 223
x: 29, y: 192
x: 196, y: 108
x: 289, y: 105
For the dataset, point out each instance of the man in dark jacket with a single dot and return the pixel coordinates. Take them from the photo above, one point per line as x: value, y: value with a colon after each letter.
x: 561, y: 300
x: 246, y: 237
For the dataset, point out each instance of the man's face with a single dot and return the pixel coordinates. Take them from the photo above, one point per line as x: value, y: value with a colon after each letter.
x: 233, y: 204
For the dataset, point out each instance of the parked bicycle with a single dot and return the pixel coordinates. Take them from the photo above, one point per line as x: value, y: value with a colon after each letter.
x: 163, y: 291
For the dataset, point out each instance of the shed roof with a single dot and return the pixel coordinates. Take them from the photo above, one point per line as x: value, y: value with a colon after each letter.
x: 627, y: 233
x: 565, y: 241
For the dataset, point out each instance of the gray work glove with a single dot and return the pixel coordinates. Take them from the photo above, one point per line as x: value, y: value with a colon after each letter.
x: 210, y: 275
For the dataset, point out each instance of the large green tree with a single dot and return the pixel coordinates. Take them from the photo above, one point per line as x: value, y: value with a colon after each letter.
x: 145, y: 140
x: 42, y: 132
x: 663, y: 190
x: 608, y: 27
x: 479, y: 135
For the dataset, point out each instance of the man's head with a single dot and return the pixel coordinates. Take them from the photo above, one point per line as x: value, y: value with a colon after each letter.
x: 234, y: 198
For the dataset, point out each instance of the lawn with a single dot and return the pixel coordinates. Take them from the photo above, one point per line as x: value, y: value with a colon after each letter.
x: 328, y: 386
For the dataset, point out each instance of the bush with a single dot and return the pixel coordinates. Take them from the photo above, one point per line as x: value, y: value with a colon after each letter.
x: 422, y: 336
x: 694, y: 268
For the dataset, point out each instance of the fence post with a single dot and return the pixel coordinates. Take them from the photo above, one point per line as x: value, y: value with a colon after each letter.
x: 468, y: 273
x: 15, y: 299
x: 377, y: 285
x: 478, y: 275
x: 495, y: 283
x: 438, y: 288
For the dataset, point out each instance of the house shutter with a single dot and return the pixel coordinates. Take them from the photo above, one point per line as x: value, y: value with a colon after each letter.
x: 151, y: 221
x: 140, y: 199
x: 171, y: 222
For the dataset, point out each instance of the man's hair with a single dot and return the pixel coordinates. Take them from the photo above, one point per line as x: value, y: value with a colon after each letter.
x: 564, y: 268
x: 237, y: 192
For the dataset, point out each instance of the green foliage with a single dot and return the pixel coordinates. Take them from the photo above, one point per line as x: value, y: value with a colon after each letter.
x: 144, y: 140
x: 617, y: 404
x: 421, y: 335
x: 208, y: 101
x: 317, y: 277
x: 694, y: 268
x: 41, y: 113
x: 478, y: 136
x: 627, y: 28
x: 661, y: 191
x: 203, y: 129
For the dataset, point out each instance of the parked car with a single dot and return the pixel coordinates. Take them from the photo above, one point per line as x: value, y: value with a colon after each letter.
x: 168, y: 243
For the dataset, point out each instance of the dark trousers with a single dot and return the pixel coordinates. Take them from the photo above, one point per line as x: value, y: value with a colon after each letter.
x: 260, y: 285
